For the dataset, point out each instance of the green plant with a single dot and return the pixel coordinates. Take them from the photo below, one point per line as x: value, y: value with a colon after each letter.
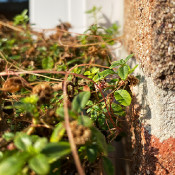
x: 94, y: 13
x: 60, y: 100
x: 31, y: 152
x: 22, y: 18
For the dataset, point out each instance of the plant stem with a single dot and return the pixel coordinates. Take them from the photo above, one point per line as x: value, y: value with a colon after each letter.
x: 69, y: 133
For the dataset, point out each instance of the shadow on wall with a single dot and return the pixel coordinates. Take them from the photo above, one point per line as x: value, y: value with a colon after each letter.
x: 107, y: 22
x: 138, y: 143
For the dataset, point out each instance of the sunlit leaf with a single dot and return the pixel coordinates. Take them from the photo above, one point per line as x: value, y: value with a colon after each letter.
x: 118, y: 110
x: 103, y: 74
x: 133, y: 69
x: 58, y: 133
x: 1, y: 155
x: 47, y: 63
x: 8, y: 136
x: 14, y: 164
x: 117, y: 63
x: 39, y: 144
x: 129, y: 57
x: 39, y: 164
x: 23, y: 141
x: 85, y: 121
x: 123, y: 72
x: 123, y: 97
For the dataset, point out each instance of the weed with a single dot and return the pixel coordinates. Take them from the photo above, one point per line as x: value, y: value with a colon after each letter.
x: 64, y: 95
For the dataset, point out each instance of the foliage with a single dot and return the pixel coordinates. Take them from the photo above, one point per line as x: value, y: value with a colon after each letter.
x: 94, y: 13
x: 35, y: 88
x: 22, y: 18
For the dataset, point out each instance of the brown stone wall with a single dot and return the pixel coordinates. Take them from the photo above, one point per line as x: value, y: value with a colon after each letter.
x: 149, y: 32
x: 148, y: 155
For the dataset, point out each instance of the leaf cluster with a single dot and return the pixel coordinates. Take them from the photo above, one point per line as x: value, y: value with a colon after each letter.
x: 36, y: 141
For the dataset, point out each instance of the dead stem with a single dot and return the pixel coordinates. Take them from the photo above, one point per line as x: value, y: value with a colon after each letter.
x: 11, y: 26
x: 67, y: 125
x: 66, y: 114
x: 62, y: 30
x: 85, y: 45
x: 66, y: 117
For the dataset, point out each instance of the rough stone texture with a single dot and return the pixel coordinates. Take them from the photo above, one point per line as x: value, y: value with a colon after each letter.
x: 159, y: 157
x: 150, y: 34
x: 151, y: 127
x: 149, y: 156
x: 157, y: 111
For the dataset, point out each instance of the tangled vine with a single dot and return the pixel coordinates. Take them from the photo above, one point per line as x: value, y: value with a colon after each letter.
x: 60, y: 94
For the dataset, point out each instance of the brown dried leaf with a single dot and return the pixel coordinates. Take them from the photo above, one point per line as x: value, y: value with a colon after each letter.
x: 12, y: 85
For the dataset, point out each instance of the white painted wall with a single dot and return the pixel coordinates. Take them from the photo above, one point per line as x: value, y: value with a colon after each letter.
x: 112, y: 11
x: 47, y: 13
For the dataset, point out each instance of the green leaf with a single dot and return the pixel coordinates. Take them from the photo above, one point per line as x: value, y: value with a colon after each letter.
x: 114, y: 81
x: 1, y: 155
x: 91, y: 10
x: 85, y: 121
x: 92, y: 153
x: 97, y: 77
x: 14, y: 164
x: 22, y: 18
x: 42, y: 49
x: 58, y: 133
x: 8, y: 136
x: 115, y: 27
x: 73, y: 61
x: 60, y: 112
x: 15, y: 57
x: 101, y: 142
x: 103, y: 74
x: 123, y: 72
x: 23, y: 141
x: 34, y: 138
x: 111, y: 42
x: 120, y: 62
x: 106, y: 72
x: 32, y: 77
x: 94, y: 28
x: 47, y: 63
x: 39, y: 164
x: 32, y: 99
x: 40, y: 144
x: 76, y: 70
x: 133, y: 69
x: 80, y: 101
x: 128, y: 57
x: 108, y: 166
x: 118, y: 110
x: 94, y: 70
x: 87, y: 73
x: 54, y: 151
x: 117, y: 63
x: 123, y: 97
